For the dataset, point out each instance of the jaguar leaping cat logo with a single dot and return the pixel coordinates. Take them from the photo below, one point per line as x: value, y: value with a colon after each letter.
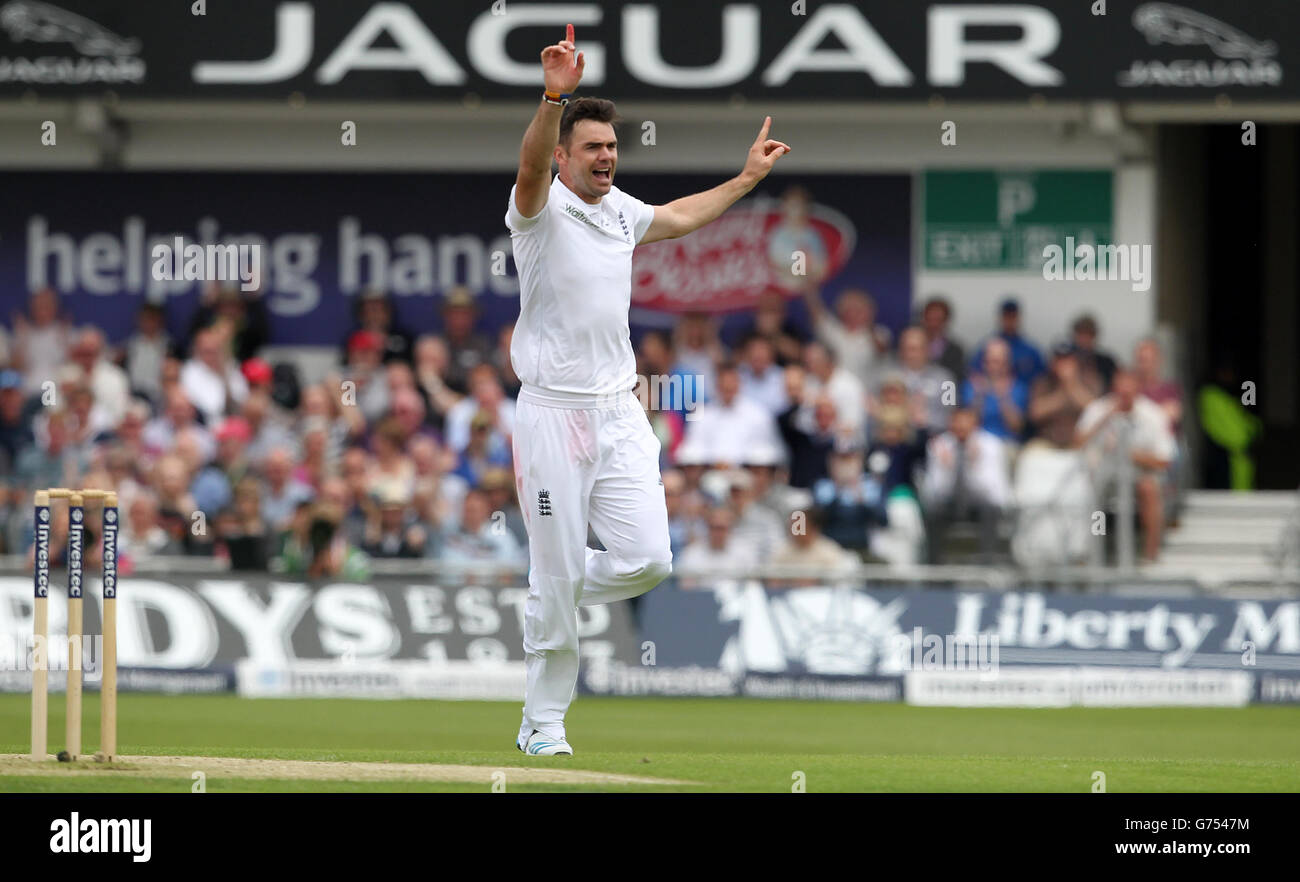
x: 1178, y: 26
x: 43, y: 23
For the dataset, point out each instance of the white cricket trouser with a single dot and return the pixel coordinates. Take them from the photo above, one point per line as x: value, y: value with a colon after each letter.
x: 576, y: 466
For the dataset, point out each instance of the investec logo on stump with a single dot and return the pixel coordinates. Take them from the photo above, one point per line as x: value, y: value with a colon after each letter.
x: 78, y: 835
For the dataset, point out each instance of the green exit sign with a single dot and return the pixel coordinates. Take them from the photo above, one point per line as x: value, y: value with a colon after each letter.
x: 995, y: 220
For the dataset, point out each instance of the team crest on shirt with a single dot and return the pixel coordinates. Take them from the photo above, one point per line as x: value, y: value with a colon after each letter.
x: 544, y: 503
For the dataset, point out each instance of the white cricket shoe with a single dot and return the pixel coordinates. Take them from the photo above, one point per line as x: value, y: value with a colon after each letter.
x: 539, y: 744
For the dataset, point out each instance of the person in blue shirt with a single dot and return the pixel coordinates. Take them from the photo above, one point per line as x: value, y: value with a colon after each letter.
x: 996, y: 394
x: 1026, y: 360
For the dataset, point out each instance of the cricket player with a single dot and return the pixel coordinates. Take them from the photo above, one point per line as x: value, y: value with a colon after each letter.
x: 584, y: 451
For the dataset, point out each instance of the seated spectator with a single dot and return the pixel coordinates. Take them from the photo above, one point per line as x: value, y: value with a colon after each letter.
x: 213, y: 484
x: 393, y: 531
x: 685, y: 524
x: 486, y: 395
x: 159, y: 434
x: 478, y: 538
x: 965, y: 479
x: 772, y: 322
x: 761, y: 379
x: 41, y: 340
x: 1026, y: 361
x: 241, y: 316
x: 997, y: 395
x: 432, y: 360
x: 717, y: 550
x: 245, y: 540
x: 374, y: 313
x: 823, y: 375
x: 142, y: 535
x: 89, y: 420
x: 772, y: 489
x: 15, y: 428
x: 724, y: 429
x: 899, y: 435
x: 317, y: 549
x: 107, y: 382
x: 808, y: 548
x: 809, y: 445
x: 1084, y: 337
x: 486, y: 450
x: 172, y: 487
x: 268, y: 428
x: 1058, y: 397
x: 467, y: 348
x: 281, y: 495
x: 211, y: 378
x: 54, y: 461
x: 1121, y: 422
x: 499, y: 485
x: 851, y: 333
x: 940, y: 348
x: 1148, y: 366
x: 699, y: 351
x: 754, y: 525
x: 363, y: 381
x: 146, y: 350
x: 346, y: 425
x: 852, y: 501
x: 934, y: 385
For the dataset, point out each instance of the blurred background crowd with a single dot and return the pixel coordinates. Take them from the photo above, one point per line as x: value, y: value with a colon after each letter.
x: 819, y: 438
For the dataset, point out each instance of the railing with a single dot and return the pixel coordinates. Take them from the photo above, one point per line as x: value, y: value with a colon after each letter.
x: 1087, y: 579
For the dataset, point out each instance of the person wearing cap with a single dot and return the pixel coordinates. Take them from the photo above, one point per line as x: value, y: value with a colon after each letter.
x: 1026, y: 360
x: 374, y: 313
x: 466, y: 347
x: 364, y: 369
x: 1084, y: 333
x: 213, y: 484
x: 1058, y: 398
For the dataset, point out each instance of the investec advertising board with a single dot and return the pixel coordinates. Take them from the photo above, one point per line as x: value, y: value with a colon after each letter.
x: 670, y: 49
x: 416, y: 638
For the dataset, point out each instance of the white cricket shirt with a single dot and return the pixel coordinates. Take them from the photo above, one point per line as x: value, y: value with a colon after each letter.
x: 571, y: 343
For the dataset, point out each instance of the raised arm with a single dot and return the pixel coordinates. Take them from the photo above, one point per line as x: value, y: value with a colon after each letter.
x: 562, y: 70
x: 689, y: 213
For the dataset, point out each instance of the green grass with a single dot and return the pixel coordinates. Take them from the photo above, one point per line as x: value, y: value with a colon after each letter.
x: 716, y: 744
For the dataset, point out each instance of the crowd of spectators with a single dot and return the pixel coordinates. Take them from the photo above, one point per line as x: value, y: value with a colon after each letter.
x: 823, y: 445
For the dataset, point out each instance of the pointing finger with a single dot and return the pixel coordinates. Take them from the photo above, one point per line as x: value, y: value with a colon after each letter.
x: 762, y: 133
x: 568, y: 33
